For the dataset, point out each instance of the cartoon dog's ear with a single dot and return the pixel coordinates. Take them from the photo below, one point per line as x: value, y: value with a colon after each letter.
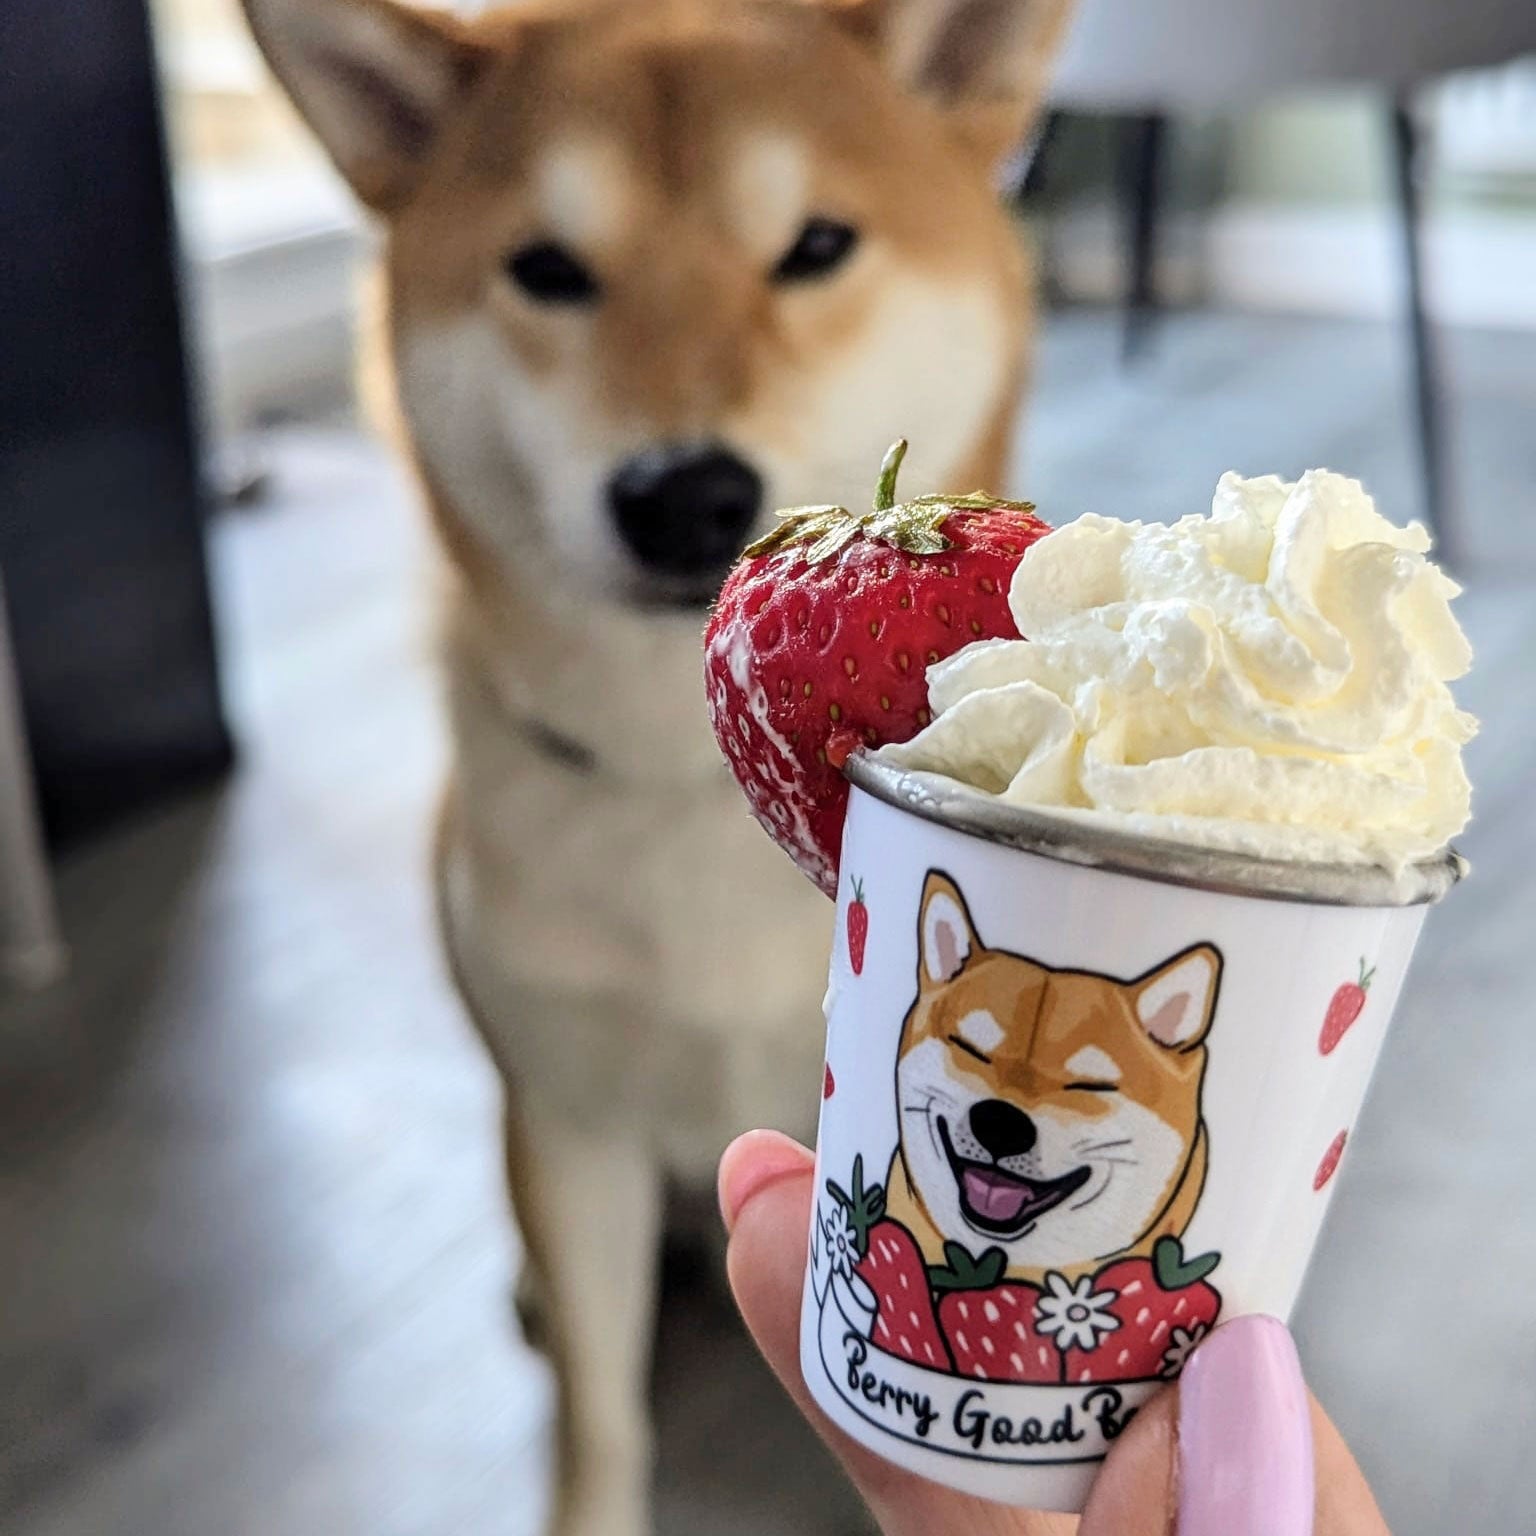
x: 946, y: 937
x: 1176, y: 1001
x: 371, y: 77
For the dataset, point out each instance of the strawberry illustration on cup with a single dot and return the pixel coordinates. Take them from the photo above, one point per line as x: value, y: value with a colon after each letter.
x: 1158, y: 1309
x: 1330, y: 1163
x: 858, y: 928
x: 906, y: 1323
x: 992, y: 1324
x: 1347, y: 1004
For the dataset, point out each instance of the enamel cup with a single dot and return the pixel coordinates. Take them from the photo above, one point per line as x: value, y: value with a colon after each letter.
x: 1086, y: 1096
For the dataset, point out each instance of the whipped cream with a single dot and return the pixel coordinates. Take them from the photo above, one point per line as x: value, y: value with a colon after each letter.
x: 1269, y: 680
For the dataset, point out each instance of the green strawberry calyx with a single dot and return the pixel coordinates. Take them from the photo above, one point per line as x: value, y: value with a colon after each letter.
x: 1173, y: 1270
x: 961, y: 1271
x: 915, y: 527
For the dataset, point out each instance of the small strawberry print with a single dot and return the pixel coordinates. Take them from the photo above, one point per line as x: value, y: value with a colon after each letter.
x: 1330, y: 1162
x: 858, y: 928
x: 1347, y: 1005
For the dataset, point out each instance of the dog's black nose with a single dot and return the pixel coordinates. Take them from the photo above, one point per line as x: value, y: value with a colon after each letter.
x: 685, y: 511
x: 1002, y: 1130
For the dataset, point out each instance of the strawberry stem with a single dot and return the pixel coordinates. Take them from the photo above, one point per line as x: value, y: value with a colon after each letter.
x: 1366, y: 976
x: 864, y: 1206
x: 890, y: 467
x: 914, y: 527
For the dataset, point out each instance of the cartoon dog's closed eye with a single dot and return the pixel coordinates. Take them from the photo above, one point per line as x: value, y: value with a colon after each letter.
x: 1052, y: 1113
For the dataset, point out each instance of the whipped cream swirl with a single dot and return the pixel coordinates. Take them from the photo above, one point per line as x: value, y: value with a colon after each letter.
x: 1271, y: 679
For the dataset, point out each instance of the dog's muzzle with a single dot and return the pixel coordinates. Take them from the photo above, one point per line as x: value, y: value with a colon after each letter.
x: 994, y: 1199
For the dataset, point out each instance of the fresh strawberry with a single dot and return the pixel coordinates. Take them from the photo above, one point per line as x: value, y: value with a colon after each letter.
x: 828, y: 1086
x: 822, y: 635
x: 988, y: 1322
x: 858, y: 928
x: 1347, y: 1004
x: 905, y: 1324
x: 1330, y: 1163
x: 1163, y: 1307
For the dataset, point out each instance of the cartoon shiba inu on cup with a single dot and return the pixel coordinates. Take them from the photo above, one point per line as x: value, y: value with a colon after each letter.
x: 1051, y: 1153
x: 1052, y: 1114
x: 1029, y: 1234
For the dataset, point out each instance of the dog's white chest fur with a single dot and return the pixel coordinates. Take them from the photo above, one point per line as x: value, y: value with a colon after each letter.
x: 638, y: 950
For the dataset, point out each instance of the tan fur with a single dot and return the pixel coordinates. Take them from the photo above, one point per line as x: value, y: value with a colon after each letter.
x: 644, y: 966
x: 1047, y: 1032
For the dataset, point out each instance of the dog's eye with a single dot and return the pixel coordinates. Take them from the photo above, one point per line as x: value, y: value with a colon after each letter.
x: 1092, y: 1087
x: 821, y: 247
x: 961, y: 1043
x: 550, y: 274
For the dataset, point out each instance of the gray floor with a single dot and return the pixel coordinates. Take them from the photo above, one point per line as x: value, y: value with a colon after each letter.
x: 253, y: 1257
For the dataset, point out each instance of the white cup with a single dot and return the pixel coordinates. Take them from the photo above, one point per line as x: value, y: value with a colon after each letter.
x: 1085, y: 1097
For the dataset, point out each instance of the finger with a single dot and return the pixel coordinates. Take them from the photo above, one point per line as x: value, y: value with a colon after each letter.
x: 765, y: 1188
x: 1245, y: 1435
x: 1133, y: 1495
x: 1345, y: 1503
x: 1255, y: 1453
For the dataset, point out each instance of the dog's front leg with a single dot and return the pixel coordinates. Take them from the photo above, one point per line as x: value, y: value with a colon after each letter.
x: 589, y: 1205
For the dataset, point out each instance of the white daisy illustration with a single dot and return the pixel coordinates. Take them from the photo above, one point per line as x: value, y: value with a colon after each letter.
x: 1180, y: 1348
x: 842, y: 1246
x: 821, y: 1267
x: 1075, y: 1313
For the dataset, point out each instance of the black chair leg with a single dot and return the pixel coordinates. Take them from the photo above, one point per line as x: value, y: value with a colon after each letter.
x: 1426, y: 372
x: 1143, y: 139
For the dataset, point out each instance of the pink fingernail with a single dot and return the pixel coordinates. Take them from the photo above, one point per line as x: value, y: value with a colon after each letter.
x: 1245, y: 1435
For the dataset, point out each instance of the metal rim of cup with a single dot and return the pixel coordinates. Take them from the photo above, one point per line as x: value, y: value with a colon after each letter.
x: 944, y: 801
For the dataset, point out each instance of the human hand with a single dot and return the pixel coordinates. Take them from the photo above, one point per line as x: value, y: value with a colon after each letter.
x: 1237, y: 1448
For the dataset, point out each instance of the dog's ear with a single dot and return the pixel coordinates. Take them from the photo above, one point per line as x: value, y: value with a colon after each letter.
x: 372, y: 78
x: 986, y: 63
x: 946, y: 936
x: 1177, y: 1001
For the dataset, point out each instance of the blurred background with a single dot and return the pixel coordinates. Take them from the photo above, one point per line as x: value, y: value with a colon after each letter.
x: 254, y: 1253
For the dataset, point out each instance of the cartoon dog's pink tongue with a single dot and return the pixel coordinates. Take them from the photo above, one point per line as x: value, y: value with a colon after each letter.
x: 995, y: 1195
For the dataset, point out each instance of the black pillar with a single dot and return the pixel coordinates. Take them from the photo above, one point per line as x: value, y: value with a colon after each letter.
x: 101, y: 545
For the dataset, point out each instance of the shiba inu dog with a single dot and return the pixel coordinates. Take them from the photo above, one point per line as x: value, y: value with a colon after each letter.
x: 652, y: 269
x: 1054, y: 1114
